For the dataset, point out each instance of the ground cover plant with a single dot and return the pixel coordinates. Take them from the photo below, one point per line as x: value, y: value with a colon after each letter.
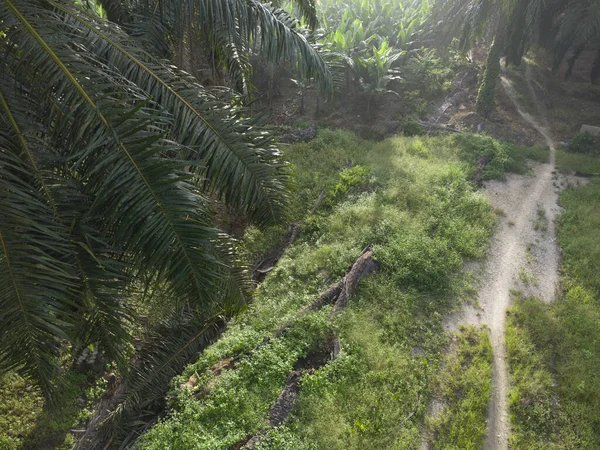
x: 462, y: 388
x: 553, y: 349
x: 412, y: 201
x: 579, y: 163
x: 24, y: 423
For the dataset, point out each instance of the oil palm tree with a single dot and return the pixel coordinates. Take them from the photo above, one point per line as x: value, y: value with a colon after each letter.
x: 109, y: 155
x: 225, y: 33
x: 564, y: 27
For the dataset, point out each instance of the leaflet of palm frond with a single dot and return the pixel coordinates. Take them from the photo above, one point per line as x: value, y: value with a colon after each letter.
x: 234, y: 158
x: 109, y: 143
x: 38, y: 289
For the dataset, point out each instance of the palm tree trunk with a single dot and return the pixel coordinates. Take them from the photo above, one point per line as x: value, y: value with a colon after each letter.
x: 487, y: 91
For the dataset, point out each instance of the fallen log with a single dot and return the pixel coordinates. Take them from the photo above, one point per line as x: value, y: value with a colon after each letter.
x: 344, y: 290
x: 339, y: 294
x: 364, y: 266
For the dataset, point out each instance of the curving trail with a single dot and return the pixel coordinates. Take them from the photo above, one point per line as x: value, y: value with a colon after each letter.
x: 517, y: 249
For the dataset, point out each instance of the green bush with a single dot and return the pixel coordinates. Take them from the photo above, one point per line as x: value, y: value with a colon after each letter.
x: 585, y: 143
x: 411, y: 127
x: 419, y: 261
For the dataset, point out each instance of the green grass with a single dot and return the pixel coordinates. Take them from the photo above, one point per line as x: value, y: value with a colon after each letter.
x: 554, y: 350
x: 567, y: 162
x: 26, y: 424
x: 412, y: 200
x: 463, y: 386
x: 579, y: 234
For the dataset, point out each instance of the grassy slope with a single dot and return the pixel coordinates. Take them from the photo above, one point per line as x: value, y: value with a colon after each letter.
x: 410, y: 199
x: 554, y: 351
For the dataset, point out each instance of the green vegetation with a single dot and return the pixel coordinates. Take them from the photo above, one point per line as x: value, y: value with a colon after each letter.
x: 560, y: 27
x: 499, y: 157
x: 411, y: 199
x: 554, y: 350
x: 115, y: 162
x: 579, y: 155
x: 463, y: 386
x: 584, y: 143
x: 130, y: 144
x: 25, y: 424
x: 541, y: 221
x: 567, y: 162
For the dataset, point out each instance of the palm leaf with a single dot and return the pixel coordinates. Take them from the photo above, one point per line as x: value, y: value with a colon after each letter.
x: 37, y: 293
x: 240, y: 163
x: 144, y: 212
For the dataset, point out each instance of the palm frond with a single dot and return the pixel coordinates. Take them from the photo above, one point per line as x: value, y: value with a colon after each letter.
x: 141, y: 211
x: 163, y: 354
x: 306, y: 8
x: 233, y: 158
x: 38, y: 288
x: 270, y: 30
x: 578, y: 26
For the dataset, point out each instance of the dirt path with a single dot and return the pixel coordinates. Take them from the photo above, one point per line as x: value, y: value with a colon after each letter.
x: 523, y: 255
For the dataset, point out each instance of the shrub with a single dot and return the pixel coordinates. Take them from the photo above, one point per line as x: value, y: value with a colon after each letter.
x: 411, y: 127
x: 418, y: 261
x: 349, y: 179
x: 585, y: 143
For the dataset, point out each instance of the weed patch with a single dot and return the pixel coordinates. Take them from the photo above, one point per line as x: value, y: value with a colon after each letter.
x: 567, y: 162
x: 26, y: 424
x: 464, y: 386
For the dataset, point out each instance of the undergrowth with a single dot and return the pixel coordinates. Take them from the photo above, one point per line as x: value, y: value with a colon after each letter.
x: 412, y: 201
x: 463, y: 387
x: 554, y: 350
x: 26, y: 424
x: 567, y: 162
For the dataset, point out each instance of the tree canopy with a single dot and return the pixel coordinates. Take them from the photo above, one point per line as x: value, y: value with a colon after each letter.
x: 111, y: 157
